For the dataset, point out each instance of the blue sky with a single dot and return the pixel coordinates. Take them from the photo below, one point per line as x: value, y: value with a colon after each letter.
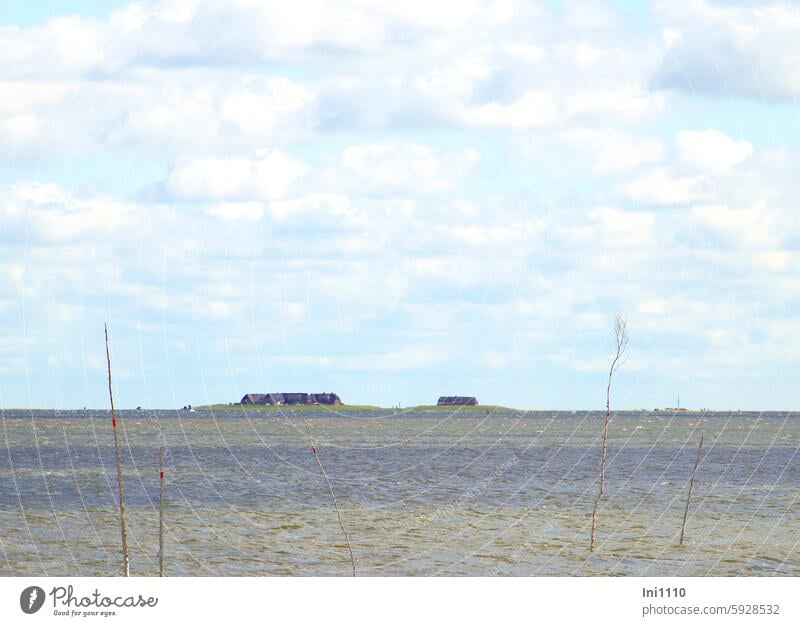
x: 399, y: 203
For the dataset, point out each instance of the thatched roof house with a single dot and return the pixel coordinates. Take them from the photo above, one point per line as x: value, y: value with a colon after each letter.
x: 253, y: 398
x: 287, y: 398
x: 326, y: 398
x: 457, y: 401
x: 290, y: 398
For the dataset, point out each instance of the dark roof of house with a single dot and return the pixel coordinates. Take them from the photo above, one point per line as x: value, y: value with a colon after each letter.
x: 291, y: 398
x: 325, y: 398
x: 457, y: 400
x: 252, y: 398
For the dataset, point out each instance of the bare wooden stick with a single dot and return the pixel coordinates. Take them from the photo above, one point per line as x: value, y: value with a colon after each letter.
x: 123, y: 527
x: 161, y: 516
x: 621, y: 337
x: 333, y: 497
x: 691, y: 485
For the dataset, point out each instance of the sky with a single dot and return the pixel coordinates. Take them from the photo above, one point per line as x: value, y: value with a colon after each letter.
x: 397, y: 201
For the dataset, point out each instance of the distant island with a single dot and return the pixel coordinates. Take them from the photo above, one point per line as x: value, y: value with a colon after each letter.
x: 308, y: 401
x: 354, y: 408
x: 281, y: 399
x: 298, y: 399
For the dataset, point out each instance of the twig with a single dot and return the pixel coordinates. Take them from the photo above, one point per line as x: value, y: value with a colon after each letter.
x: 621, y: 337
x: 161, y: 516
x: 691, y: 485
x: 333, y: 496
x: 125, y: 558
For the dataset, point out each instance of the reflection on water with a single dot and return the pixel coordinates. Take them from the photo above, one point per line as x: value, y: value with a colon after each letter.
x: 422, y: 494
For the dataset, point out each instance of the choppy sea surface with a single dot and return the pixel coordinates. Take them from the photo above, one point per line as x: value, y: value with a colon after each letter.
x: 425, y: 493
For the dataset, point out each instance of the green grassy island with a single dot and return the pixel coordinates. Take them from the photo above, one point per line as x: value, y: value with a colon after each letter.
x: 345, y: 408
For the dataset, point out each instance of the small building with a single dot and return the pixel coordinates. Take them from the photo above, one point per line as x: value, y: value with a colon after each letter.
x: 457, y: 401
x: 326, y: 398
x: 253, y: 398
x: 287, y: 398
x: 279, y: 399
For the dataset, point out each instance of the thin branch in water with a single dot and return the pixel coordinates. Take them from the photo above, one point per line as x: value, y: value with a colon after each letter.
x: 691, y: 485
x: 333, y: 496
x: 161, y: 514
x: 125, y: 558
x: 621, y: 339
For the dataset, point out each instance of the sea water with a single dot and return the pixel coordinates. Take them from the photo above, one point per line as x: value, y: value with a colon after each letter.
x: 459, y: 492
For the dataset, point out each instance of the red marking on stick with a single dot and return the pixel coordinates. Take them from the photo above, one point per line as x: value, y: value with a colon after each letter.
x: 114, y: 421
x: 313, y: 449
x: 162, y: 475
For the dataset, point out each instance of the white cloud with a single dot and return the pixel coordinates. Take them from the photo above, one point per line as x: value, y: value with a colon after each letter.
x: 293, y: 312
x: 620, y: 103
x: 63, y: 46
x: 531, y: 109
x: 262, y: 106
x: 267, y: 175
x: 20, y: 127
x: 544, y: 108
x: 21, y: 136
x: 187, y: 111
x: 194, y: 32
x: 612, y: 151
x: 215, y: 309
x: 409, y: 358
x: 625, y: 229
x: 48, y: 213
x: 753, y: 227
x: 492, y: 236
x: 404, y: 166
x: 659, y: 187
x: 174, y: 78
x: 526, y: 52
x: 731, y: 48
x: 316, y: 205
x: 407, y: 199
x: 170, y: 54
x: 174, y: 115
x: 21, y: 96
x: 35, y: 121
x: 236, y: 211
x: 587, y: 54
x: 712, y: 151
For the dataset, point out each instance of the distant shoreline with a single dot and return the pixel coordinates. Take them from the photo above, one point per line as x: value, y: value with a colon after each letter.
x: 354, y: 407
x: 346, y: 408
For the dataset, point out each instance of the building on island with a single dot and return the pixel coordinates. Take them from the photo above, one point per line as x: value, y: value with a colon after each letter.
x: 273, y: 399
x: 326, y: 398
x: 457, y: 401
x: 287, y: 398
x: 253, y: 398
